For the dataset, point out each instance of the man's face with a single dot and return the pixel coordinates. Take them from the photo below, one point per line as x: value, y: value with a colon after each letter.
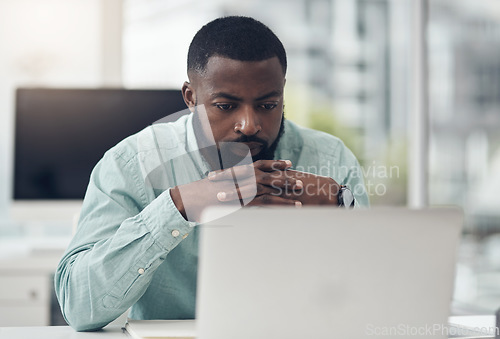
x: 243, y: 101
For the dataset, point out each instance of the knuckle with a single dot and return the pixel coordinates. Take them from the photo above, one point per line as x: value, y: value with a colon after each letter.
x: 260, y: 189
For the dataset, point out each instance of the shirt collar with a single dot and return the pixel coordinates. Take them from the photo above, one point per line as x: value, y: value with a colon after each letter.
x: 192, y: 146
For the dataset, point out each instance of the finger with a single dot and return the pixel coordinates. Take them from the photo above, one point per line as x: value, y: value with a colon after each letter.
x: 299, y: 175
x: 248, y: 170
x: 291, y: 194
x: 273, y: 165
x: 287, y: 183
x: 231, y: 173
x: 251, y: 190
x: 281, y: 183
x: 278, y: 179
x: 273, y: 200
x: 226, y: 196
x: 243, y: 192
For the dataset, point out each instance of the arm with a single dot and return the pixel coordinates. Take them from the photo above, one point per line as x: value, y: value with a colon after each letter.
x: 120, y: 241
x: 321, y: 182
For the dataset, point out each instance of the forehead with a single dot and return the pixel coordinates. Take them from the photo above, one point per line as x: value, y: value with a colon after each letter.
x: 241, y: 78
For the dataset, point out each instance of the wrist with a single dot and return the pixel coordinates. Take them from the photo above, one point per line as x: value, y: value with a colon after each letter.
x: 345, y: 198
x: 333, y: 192
x: 175, y: 195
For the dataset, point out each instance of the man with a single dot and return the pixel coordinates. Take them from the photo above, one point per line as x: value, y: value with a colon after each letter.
x: 136, y: 242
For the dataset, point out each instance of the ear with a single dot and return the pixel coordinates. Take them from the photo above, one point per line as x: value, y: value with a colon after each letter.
x: 189, y: 95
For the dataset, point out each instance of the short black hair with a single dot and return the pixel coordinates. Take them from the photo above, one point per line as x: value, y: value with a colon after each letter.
x: 234, y: 37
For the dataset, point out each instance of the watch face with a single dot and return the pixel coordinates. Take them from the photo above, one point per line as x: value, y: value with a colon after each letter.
x: 347, y: 197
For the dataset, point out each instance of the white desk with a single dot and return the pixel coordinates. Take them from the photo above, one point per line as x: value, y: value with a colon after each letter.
x: 60, y: 332
x: 116, y: 331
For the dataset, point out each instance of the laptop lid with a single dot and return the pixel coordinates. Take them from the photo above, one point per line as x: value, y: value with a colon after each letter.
x: 325, y: 273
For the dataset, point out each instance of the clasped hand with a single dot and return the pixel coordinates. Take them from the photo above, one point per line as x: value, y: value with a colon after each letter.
x: 265, y: 182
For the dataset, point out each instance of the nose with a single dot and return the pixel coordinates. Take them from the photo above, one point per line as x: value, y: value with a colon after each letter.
x: 248, y: 122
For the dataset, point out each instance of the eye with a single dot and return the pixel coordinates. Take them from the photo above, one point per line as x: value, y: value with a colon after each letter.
x: 224, y: 107
x: 268, y: 106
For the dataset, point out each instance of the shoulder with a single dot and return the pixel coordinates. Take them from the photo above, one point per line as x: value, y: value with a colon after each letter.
x: 154, y: 138
x: 317, y: 152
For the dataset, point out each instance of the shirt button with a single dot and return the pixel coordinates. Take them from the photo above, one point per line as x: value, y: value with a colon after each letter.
x: 140, y: 271
x: 175, y: 233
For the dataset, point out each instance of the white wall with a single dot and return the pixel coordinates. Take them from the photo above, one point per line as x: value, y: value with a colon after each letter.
x: 157, y: 34
x: 58, y: 43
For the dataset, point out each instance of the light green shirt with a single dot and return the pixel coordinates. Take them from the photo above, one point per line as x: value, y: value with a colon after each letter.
x: 133, y: 248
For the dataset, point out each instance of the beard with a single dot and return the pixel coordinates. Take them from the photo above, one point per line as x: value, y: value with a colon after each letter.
x: 223, y: 154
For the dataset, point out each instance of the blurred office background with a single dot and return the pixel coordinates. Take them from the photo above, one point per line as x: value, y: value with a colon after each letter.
x: 349, y: 74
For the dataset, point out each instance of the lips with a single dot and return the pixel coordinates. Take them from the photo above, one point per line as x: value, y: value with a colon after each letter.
x: 253, y: 145
x: 242, y: 148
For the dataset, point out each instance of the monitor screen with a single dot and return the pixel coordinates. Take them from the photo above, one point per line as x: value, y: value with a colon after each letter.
x: 60, y: 134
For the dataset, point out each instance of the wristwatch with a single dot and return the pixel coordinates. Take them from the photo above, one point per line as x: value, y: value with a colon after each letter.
x: 345, y: 197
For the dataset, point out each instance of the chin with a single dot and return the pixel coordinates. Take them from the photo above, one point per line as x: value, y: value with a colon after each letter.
x: 264, y: 155
x: 231, y: 159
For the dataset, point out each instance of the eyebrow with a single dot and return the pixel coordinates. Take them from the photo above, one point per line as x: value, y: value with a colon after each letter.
x: 225, y: 95
x: 269, y: 95
x: 235, y: 98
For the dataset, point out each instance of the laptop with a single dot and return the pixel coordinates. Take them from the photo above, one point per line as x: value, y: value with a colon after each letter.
x: 326, y: 273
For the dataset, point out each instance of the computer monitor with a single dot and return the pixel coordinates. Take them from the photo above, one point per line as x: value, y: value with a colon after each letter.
x: 60, y: 135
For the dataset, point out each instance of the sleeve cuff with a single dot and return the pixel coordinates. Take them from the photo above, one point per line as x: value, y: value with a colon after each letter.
x: 166, y: 224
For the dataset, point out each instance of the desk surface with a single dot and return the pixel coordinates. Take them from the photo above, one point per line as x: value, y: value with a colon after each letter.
x: 116, y: 332
x: 60, y: 332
